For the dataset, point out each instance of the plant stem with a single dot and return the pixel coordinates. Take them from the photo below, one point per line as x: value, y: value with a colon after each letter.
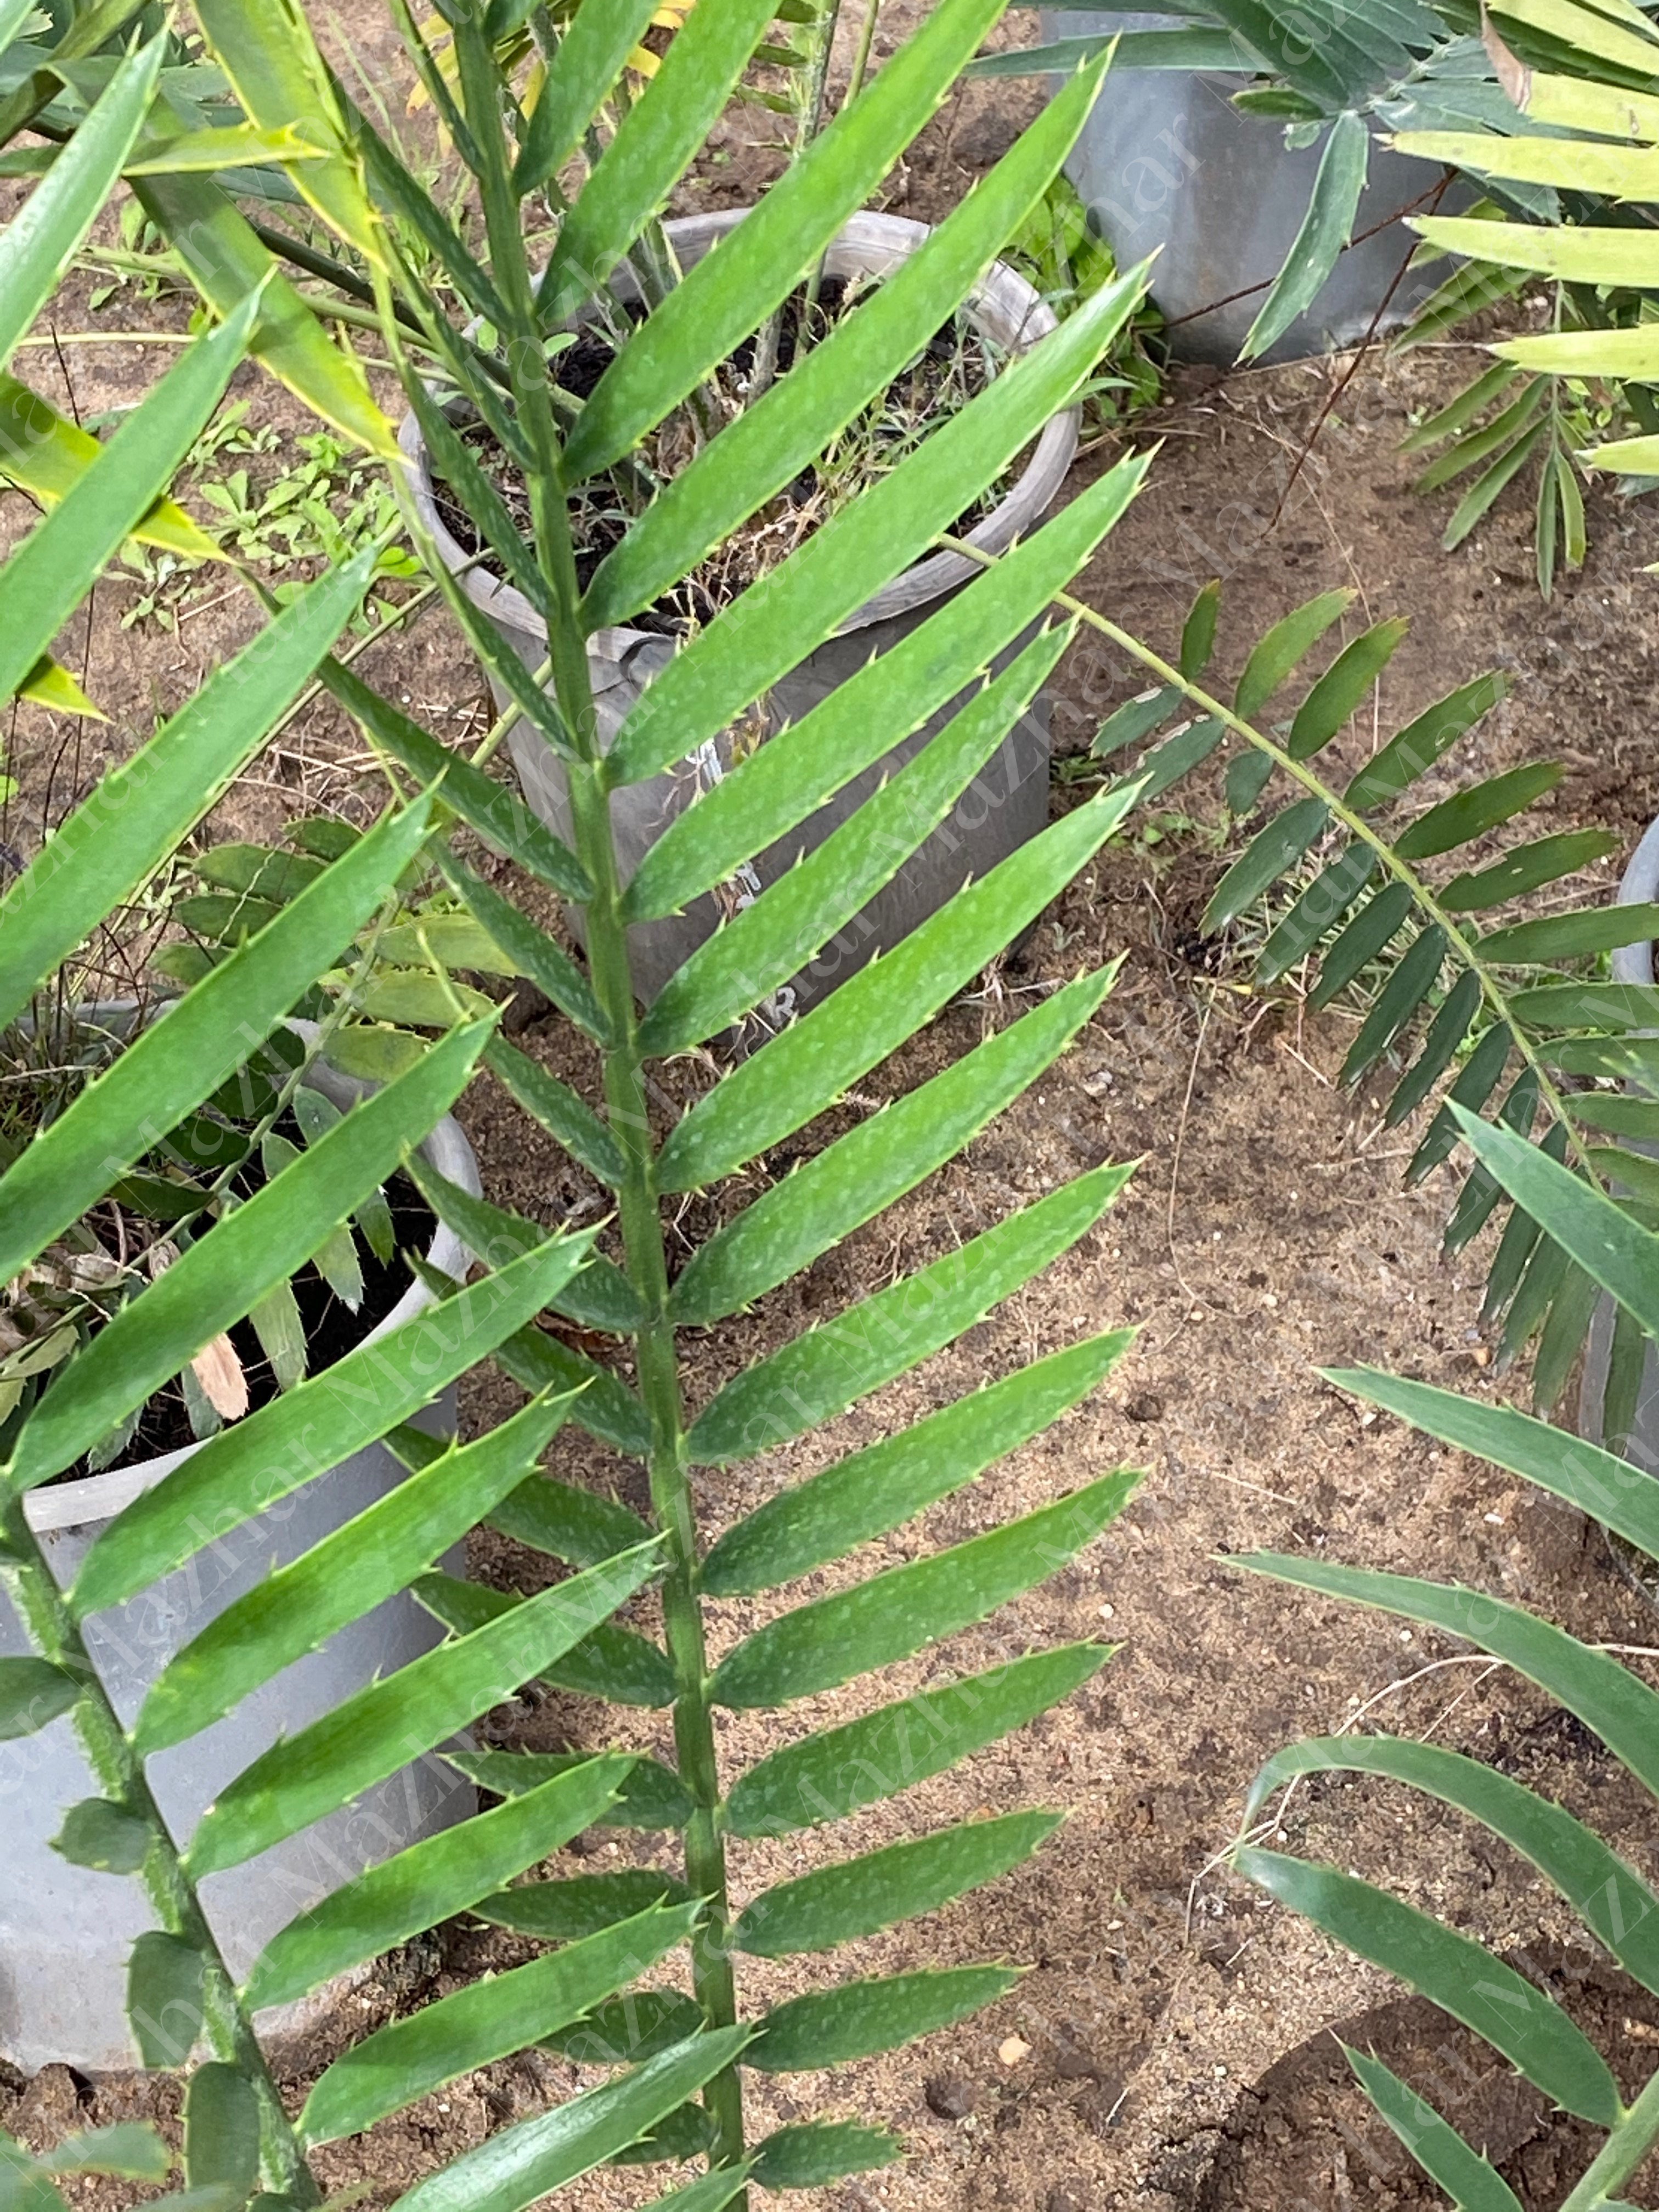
x: 1461, y: 945
x: 808, y: 84
x: 1622, y: 2153
x: 625, y: 1093
x: 861, y: 55
x: 119, y: 1775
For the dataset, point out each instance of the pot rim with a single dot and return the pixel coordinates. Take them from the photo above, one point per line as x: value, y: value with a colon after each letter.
x: 875, y: 243
x: 1638, y: 886
x: 94, y: 1498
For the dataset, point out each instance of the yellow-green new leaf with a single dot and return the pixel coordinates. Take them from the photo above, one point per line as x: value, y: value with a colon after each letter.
x: 45, y: 454
x: 266, y: 49
x: 226, y: 260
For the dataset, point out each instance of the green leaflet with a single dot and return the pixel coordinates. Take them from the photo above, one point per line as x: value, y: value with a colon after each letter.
x: 1277, y: 654
x: 103, y: 1836
x: 713, y: 2193
x: 861, y: 1896
x: 823, y: 1371
x: 1597, y: 1482
x: 807, y: 1067
x: 453, y: 460
x: 1361, y: 939
x: 1325, y: 231
x: 432, y: 1881
x: 650, y: 1797
x: 1621, y: 1256
x: 829, y: 2027
x: 652, y: 145
x: 248, y: 1253
x: 559, y: 1911
x: 769, y: 628
x: 820, y: 1645
x: 164, y: 1999
x: 826, y: 1776
x: 60, y: 560
x: 131, y: 2148
x: 805, y: 2156
x: 1470, y: 814
x: 143, y: 808
x: 1264, y: 860
x: 718, y: 302
x: 373, y: 1556
x: 571, y: 1523
x: 886, y: 1484
x: 174, y: 1063
x: 637, y: 2025
x: 1136, y: 719
x: 801, y: 913
x: 1321, y: 907
x: 226, y: 260
x: 598, y: 1294
x: 1446, y: 1034
x: 566, y: 1118
x: 1416, y: 748
x: 791, y: 424
x: 221, y: 2131
x: 1609, y: 1699
x: 486, y: 2020
x: 1588, y: 1005
x: 1341, y: 690
x: 1526, y: 868
x: 588, y: 61
x: 766, y: 795
x: 607, y: 1408
x: 612, y: 1663
x: 1513, y: 2014
x: 246, y: 1470
x: 1569, y: 936
x: 370, y: 1734
x: 33, y: 1693
x: 851, y: 1181
x: 518, y: 2164
x: 1605, y: 1890
x: 1465, y: 2176
x: 1396, y: 1003
x: 530, y: 950
x: 406, y: 199
x: 498, y: 814
x: 47, y: 231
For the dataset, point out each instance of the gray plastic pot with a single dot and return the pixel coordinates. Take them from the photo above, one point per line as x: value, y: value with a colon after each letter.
x: 65, y: 1932
x: 1632, y: 963
x: 1166, y: 162
x: 1006, y: 804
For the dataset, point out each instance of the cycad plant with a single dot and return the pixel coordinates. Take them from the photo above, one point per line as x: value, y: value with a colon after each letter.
x: 602, y: 1933
x: 1357, y: 890
x: 1589, y: 93
x: 1616, y: 1904
x: 180, y: 1993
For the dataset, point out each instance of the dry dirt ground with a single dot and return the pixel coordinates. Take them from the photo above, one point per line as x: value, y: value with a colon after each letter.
x: 1167, y: 2048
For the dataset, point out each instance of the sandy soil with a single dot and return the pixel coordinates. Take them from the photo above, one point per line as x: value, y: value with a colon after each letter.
x: 1156, y: 2041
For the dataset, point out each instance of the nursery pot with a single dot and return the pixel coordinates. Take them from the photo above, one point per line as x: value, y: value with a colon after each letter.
x: 65, y: 1931
x: 1006, y: 804
x: 1632, y: 963
x: 1165, y: 163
